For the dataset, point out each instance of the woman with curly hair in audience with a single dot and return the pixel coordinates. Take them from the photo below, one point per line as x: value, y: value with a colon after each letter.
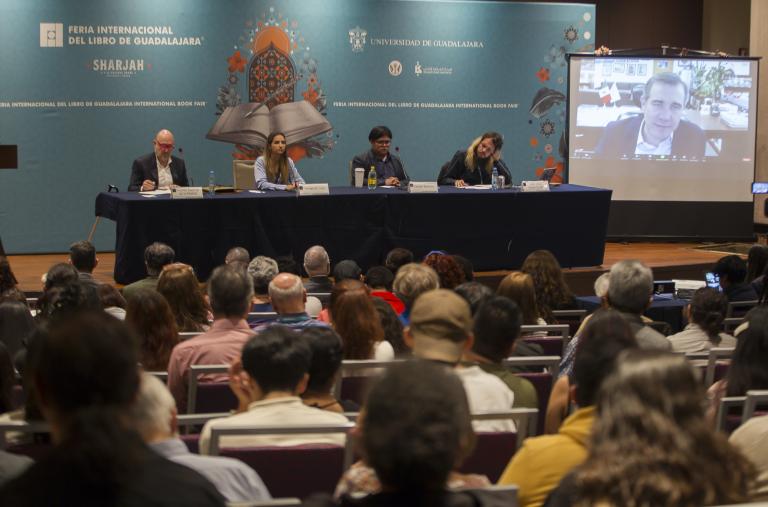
x: 354, y: 317
x: 449, y: 271
x: 179, y: 285
x: 651, y: 444
x: 552, y: 293
x: 150, y: 316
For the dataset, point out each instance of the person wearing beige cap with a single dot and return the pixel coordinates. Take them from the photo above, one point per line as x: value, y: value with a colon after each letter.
x: 440, y: 330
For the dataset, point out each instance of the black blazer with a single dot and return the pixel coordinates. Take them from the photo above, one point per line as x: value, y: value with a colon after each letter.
x: 145, y: 168
x: 456, y: 169
x: 620, y: 138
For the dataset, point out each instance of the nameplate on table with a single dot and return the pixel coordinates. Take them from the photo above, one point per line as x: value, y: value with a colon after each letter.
x: 187, y: 193
x: 535, y: 186
x: 314, y: 189
x: 422, y: 187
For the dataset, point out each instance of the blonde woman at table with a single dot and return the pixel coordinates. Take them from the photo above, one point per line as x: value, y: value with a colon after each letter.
x: 275, y: 170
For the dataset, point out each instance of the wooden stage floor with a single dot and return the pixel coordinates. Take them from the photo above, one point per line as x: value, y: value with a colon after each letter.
x: 668, y: 260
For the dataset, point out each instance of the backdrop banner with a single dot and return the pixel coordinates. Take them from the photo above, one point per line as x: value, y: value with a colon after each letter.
x: 87, y: 83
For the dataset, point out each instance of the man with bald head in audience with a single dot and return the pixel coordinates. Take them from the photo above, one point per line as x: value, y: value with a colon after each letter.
x: 158, y: 169
x: 230, y: 291
x: 288, y: 297
x: 317, y: 264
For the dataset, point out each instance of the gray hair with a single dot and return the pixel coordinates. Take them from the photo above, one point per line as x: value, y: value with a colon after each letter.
x: 151, y: 412
x: 316, y: 261
x: 630, y: 287
x: 262, y: 270
x: 230, y: 291
x: 290, y: 294
x: 414, y: 279
x: 601, y: 285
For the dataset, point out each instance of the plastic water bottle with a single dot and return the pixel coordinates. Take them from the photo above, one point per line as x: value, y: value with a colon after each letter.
x: 211, y: 183
x: 372, y: 178
x: 495, y: 179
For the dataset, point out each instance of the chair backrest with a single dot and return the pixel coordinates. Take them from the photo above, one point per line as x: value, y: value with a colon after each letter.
x: 243, y: 175
x: 555, y: 341
x: 160, y: 375
x: 753, y: 399
x: 716, y: 367
x: 543, y: 383
x: 295, y: 471
x: 493, y: 450
x: 186, y: 335
x: 549, y: 363
x: 729, y: 413
x: 206, y: 397
x: 275, y: 502
x: 730, y: 324
x: 739, y: 308
x: 352, y: 383
x: 660, y: 326
x: 573, y: 318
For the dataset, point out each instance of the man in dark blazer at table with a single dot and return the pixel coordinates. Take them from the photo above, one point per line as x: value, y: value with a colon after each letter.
x: 158, y: 169
x: 660, y: 130
x: 389, y: 168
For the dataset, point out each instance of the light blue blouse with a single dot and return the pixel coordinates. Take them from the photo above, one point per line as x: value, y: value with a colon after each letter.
x: 262, y: 183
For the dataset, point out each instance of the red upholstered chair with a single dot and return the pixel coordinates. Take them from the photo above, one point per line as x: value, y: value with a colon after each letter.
x: 290, y: 471
x: 555, y: 341
x: 353, y: 381
x: 573, y: 318
x: 209, y: 397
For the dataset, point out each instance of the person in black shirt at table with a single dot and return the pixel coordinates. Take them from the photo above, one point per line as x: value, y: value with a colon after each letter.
x: 389, y: 168
x: 475, y: 165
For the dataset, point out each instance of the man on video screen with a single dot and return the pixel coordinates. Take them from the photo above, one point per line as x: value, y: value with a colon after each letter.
x: 660, y: 130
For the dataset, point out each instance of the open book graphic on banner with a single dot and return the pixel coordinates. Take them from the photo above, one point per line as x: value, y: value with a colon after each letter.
x: 251, y: 124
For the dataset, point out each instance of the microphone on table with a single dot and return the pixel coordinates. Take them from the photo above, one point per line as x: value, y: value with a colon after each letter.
x: 403, y: 184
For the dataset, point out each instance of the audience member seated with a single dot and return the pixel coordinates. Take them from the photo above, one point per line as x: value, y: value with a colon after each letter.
x: 411, y: 281
x: 552, y: 293
x: 392, y: 326
x: 267, y: 383
x: 732, y: 271
x: 59, y: 276
x: 82, y: 255
x: 496, y: 329
x: 262, y: 270
x: 7, y: 279
x: 154, y: 417
x: 16, y: 324
x: 11, y: 465
x: 630, y: 291
x: 651, y: 444
x: 317, y: 264
x: 85, y: 379
x: 230, y: 291
x: 347, y: 270
x: 237, y: 254
x: 379, y: 279
x: 150, y: 317
x: 518, y: 287
x: 542, y: 461
x: 178, y: 284
x: 751, y: 438
x: 288, y: 297
x: 757, y: 262
x: 747, y: 369
x: 411, y: 459
x: 396, y: 258
x: 450, y: 272
x: 705, y: 317
x: 474, y: 293
x: 356, y: 320
x: 466, y: 266
x: 327, y: 353
x: 111, y: 300
x: 287, y: 264
x: 441, y: 331
x: 156, y: 257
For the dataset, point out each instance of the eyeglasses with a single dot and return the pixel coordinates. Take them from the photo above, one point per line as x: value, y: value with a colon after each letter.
x: 164, y: 146
x: 383, y: 142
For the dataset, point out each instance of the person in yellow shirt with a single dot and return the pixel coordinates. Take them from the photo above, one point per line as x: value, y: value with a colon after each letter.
x: 542, y: 461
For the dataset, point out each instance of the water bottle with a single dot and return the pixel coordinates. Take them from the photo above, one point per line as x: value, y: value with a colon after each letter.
x: 372, y: 178
x: 495, y: 179
x: 211, y: 183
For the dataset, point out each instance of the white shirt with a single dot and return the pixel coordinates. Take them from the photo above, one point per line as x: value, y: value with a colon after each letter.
x: 288, y: 411
x: 645, y: 148
x: 486, y: 393
x: 164, y: 177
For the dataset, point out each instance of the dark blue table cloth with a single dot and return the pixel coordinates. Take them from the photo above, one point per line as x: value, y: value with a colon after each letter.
x: 495, y: 229
x: 664, y: 308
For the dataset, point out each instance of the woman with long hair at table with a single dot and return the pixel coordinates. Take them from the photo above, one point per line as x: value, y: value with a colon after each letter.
x: 475, y: 165
x: 275, y: 170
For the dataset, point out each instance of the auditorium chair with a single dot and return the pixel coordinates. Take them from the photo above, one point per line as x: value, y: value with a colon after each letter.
x: 734, y: 410
x: 493, y: 450
x: 554, y: 343
x: 718, y: 361
x: 290, y: 471
x: 731, y: 323
x: 573, y: 318
x: 207, y: 397
x: 355, y: 375
x: 243, y: 175
x: 739, y: 308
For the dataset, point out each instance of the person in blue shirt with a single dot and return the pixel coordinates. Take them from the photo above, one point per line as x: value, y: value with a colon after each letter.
x: 275, y: 170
